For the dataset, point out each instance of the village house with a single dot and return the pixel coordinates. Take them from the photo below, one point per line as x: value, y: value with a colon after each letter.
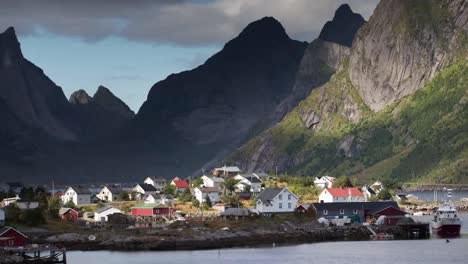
x: 158, y: 182
x: 254, y: 183
x: 262, y: 176
x: 68, y: 214
x: 304, y: 208
x: 226, y: 172
x: 377, y: 186
x: 101, y: 214
x: 152, y: 210
x: 201, y: 193
x: 242, y: 187
x: 78, y: 195
x: 142, y: 189
x: 10, y: 237
x: 333, y: 195
x: 276, y: 200
x: 368, y: 192
x: 181, y: 185
x: 7, y: 201
x: 324, y: 182
x: 213, y: 182
x: 109, y: 194
x: 359, y: 211
x: 2, y: 217
x: 220, y: 207
x: 400, y: 198
x: 159, y: 199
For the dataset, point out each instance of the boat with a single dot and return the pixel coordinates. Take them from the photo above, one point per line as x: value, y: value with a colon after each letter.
x: 446, y: 222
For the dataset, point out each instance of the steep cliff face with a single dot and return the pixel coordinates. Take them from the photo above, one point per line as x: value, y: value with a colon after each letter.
x: 404, y: 44
x: 343, y: 27
x: 410, y: 68
x: 30, y: 94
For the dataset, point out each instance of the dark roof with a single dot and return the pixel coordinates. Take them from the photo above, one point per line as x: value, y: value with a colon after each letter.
x: 80, y: 190
x: 253, y: 179
x: 147, y: 187
x: 268, y: 194
x: 368, y: 206
x: 369, y: 189
x: 160, y: 179
x: 262, y: 174
x: 244, y: 194
x: 236, y: 212
x: 114, y: 190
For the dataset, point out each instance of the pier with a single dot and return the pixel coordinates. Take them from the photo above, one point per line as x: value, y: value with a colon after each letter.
x: 37, y: 253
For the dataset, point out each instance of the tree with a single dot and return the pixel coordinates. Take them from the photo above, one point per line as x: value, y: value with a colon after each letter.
x: 170, y: 189
x: 54, y: 207
x: 384, y: 195
x: 232, y: 200
x: 186, y: 197
x: 69, y: 204
x: 197, y: 182
x: 207, y: 204
x: 196, y: 203
x: 27, y: 194
x: 229, y: 185
x: 123, y: 196
x: 343, y: 181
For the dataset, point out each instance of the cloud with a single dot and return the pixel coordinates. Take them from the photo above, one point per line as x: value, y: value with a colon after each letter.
x: 181, y: 22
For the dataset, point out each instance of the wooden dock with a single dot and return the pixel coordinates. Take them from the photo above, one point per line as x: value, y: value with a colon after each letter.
x: 38, y: 253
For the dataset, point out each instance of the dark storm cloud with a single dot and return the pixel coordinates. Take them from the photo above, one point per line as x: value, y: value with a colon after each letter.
x: 183, y: 22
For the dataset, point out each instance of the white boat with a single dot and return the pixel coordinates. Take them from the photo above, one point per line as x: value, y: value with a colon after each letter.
x: 446, y: 222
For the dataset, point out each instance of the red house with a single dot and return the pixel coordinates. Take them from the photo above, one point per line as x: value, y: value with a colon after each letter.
x: 392, y: 215
x: 10, y: 237
x: 181, y: 185
x: 151, y: 210
x: 68, y: 214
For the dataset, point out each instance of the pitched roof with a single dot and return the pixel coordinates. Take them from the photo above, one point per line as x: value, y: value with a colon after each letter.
x: 253, y: 179
x: 158, y: 179
x: 100, y: 210
x: 268, y: 194
x: 261, y: 174
x: 5, y: 229
x: 208, y: 189
x: 64, y: 210
x: 114, y: 190
x: 150, y: 205
x: 80, y: 190
x: 344, y: 192
x: 228, y: 169
x: 147, y: 187
x: 232, y: 211
x: 369, y: 189
x: 181, y: 184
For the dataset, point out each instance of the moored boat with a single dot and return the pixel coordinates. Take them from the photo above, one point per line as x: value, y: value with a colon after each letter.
x: 446, y: 222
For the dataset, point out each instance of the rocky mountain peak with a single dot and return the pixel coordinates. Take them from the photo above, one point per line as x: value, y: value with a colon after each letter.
x: 343, y: 27
x: 106, y: 99
x: 262, y: 30
x: 10, y: 49
x: 80, y: 97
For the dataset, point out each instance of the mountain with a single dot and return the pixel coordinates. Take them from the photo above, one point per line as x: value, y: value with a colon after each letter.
x: 343, y: 27
x: 101, y: 114
x: 396, y: 108
x: 29, y: 94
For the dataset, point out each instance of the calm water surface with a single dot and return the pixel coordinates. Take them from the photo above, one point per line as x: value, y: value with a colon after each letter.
x: 428, y: 251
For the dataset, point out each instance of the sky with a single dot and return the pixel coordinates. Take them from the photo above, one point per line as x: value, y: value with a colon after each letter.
x: 128, y: 46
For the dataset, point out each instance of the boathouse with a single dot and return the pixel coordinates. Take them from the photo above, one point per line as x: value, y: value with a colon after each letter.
x: 151, y: 210
x: 10, y: 237
x: 68, y: 214
x: 392, y: 215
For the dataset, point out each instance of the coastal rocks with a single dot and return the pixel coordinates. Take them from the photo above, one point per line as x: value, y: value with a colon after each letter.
x: 404, y: 44
x: 67, y: 237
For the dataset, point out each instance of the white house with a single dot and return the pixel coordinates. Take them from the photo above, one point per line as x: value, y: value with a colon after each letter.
x: 242, y: 187
x: 2, y: 217
x: 276, y: 200
x: 249, y: 179
x: 368, y: 192
x: 109, y: 194
x: 334, y: 195
x: 158, y: 182
x: 8, y: 201
x: 142, y: 189
x: 324, y: 182
x: 159, y: 199
x: 226, y: 171
x: 77, y: 195
x: 201, y: 193
x: 377, y: 186
x: 213, y: 181
x: 102, y: 214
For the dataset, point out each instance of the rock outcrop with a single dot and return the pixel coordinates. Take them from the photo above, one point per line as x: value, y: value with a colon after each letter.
x: 404, y: 44
x: 343, y: 27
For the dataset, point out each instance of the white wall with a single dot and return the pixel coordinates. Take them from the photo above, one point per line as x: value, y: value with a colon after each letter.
x: 284, y: 202
x: 105, y: 214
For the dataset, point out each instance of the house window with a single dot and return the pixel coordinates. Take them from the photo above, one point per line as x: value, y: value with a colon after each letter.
x: 281, y: 197
x: 289, y: 205
x: 11, y: 242
x: 280, y: 205
x: 341, y: 211
x: 325, y: 212
x: 289, y: 197
x: 355, y: 211
x: 156, y: 211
